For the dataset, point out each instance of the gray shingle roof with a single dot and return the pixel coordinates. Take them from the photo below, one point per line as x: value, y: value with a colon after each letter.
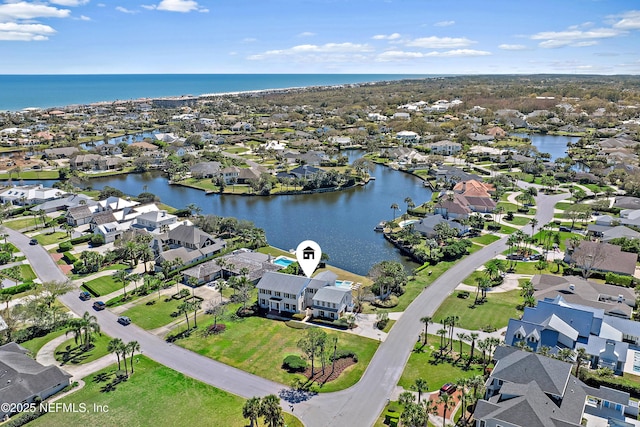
x: 280, y: 282
x: 330, y: 294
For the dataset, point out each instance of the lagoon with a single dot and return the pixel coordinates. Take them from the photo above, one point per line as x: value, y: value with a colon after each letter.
x: 341, y: 222
x: 555, y: 145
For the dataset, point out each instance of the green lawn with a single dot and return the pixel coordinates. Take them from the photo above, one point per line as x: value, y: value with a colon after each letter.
x: 505, y: 229
x: 530, y: 267
x: 31, y: 175
x: 236, y: 150
x: 495, y: 311
x: 70, y: 353
x: 248, y: 344
x: 19, y: 224
x: 27, y: 272
x: 155, y: 315
x: 436, y: 372
x: 50, y: 238
x: 562, y: 205
x: 519, y: 220
x: 154, y: 395
x: 35, y: 344
x: 105, y: 285
x: 485, y: 239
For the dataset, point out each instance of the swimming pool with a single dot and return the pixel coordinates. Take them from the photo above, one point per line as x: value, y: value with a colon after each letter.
x: 636, y: 362
x: 283, y: 261
x: 346, y: 284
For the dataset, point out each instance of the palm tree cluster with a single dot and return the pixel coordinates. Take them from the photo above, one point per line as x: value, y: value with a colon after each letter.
x: 122, y: 349
x: 84, y: 329
x: 267, y: 407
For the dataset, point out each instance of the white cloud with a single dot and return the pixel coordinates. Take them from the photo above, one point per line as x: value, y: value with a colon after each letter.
x: 444, y: 23
x: 70, y: 3
x: 125, y: 10
x: 512, y: 47
x: 24, y: 10
x: 393, y: 36
x: 306, y: 34
x: 182, y: 6
x: 434, y: 42
x: 249, y: 40
x: 12, y: 31
x: 398, y: 55
x: 329, y: 52
x: 149, y: 6
x: 629, y: 21
x: 554, y: 39
x: 459, y: 52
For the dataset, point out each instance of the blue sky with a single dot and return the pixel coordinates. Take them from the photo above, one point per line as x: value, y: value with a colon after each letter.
x: 319, y: 36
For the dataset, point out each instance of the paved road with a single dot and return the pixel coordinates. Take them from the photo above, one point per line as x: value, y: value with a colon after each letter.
x: 359, y: 405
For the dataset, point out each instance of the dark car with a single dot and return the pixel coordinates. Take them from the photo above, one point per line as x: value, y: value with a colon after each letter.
x: 85, y: 295
x: 563, y: 228
x: 99, y: 305
x: 448, y: 388
x: 33, y: 242
x: 124, y: 320
x: 535, y: 257
x: 515, y: 257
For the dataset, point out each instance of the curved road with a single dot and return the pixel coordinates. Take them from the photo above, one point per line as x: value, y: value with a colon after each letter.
x: 358, y: 405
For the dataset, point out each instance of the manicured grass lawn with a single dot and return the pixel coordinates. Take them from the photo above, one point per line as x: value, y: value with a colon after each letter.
x: 529, y: 267
x: 105, y: 285
x: 35, y: 344
x: 505, y: 229
x: 275, y: 252
x: 471, y: 279
x: 236, y: 150
x: 31, y: 175
x: 562, y: 205
x: 155, y: 315
x: 50, y: 238
x: 564, y: 235
x: 27, y: 272
x: 248, y: 344
x: 436, y: 372
x: 495, y: 311
x: 508, y: 206
x: 202, y: 184
x: 519, y: 220
x: 485, y: 239
x: 76, y: 355
x: 346, y: 275
x: 153, y: 395
x: 19, y: 224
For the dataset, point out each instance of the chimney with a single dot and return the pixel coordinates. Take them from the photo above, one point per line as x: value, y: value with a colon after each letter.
x: 620, y: 298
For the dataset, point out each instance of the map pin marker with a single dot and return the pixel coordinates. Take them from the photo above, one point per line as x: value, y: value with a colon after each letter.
x: 308, y: 254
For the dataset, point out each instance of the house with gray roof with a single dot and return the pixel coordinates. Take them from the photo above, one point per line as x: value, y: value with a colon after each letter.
x: 241, y: 261
x: 529, y: 390
x: 332, y: 302
x: 24, y: 380
x: 79, y: 215
x: 287, y: 293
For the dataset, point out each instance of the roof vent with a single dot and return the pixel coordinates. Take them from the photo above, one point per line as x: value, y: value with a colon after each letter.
x: 620, y: 298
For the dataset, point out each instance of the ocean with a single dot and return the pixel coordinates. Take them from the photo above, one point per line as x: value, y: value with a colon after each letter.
x: 45, y: 91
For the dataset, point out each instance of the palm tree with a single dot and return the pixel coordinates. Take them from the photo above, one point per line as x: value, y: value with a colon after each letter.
x: 462, y: 385
x: 581, y: 356
x: 132, y: 347
x: 447, y: 403
x: 427, y: 320
x: 394, y: 208
x: 196, y: 304
x: 483, y: 284
x: 251, y: 410
x: 121, y: 276
x: 473, y: 336
x: 534, y: 224
x: 410, y: 204
x: 115, y: 346
x: 461, y: 337
x: 271, y: 411
x: 184, y: 308
x: 442, y: 333
x: 5, y: 298
x: 420, y: 385
x: 84, y: 328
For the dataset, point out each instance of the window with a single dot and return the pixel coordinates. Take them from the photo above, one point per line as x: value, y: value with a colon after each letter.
x: 262, y: 301
x: 277, y: 293
x: 286, y: 306
x: 333, y: 305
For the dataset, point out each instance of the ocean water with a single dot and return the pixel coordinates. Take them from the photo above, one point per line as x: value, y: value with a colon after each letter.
x: 45, y: 91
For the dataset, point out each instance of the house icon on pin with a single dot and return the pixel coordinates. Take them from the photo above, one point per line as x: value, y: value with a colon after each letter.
x: 308, y: 253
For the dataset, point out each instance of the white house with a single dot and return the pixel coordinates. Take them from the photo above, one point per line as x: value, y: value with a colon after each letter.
x: 408, y: 137
x: 29, y: 194
x: 332, y: 302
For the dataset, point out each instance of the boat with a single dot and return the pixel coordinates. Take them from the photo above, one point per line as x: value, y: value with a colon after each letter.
x: 372, y: 178
x: 380, y: 226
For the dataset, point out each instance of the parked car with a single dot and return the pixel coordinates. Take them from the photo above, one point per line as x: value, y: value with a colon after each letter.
x: 448, y: 388
x: 33, y: 242
x: 515, y: 257
x: 535, y: 257
x: 99, y: 305
x: 85, y: 296
x: 124, y: 320
x: 563, y: 228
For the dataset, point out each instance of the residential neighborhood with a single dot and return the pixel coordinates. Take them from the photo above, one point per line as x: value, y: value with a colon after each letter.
x: 500, y: 289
